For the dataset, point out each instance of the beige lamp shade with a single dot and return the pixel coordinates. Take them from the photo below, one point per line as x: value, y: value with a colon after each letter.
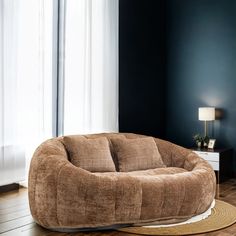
x: 206, y: 113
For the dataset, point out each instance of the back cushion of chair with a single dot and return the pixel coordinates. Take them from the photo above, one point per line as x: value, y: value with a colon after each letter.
x: 109, y: 136
x: 137, y: 154
x: 90, y: 154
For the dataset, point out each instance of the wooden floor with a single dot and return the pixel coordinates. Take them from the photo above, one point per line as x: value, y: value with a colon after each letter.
x: 15, y: 218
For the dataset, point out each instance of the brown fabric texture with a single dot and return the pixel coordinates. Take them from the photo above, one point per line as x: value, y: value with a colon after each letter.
x: 90, y: 154
x: 137, y: 154
x: 63, y: 196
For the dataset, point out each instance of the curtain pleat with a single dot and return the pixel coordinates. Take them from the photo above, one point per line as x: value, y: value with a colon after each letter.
x: 91, y: 67
x: 26, y: 84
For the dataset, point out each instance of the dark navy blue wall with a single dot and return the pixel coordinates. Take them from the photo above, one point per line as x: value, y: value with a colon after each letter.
x: 175, y: 58
x: 142, y: 67
x: 201, y: 68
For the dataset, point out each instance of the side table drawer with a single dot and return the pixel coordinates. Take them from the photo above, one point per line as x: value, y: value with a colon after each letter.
x: 209, y: 156
x: 215, y: 165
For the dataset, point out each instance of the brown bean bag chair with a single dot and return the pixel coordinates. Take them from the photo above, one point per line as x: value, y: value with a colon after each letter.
x: 169, y: 184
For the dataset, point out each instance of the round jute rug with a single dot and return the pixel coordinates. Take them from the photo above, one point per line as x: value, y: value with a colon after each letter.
x: 222, y: 216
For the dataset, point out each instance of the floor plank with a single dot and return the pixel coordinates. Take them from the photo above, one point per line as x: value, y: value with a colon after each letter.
x: 31, y: 229
x: 14, y: 215
x: 14, y: 208
x: 15, y: 218
x: 16, y: 223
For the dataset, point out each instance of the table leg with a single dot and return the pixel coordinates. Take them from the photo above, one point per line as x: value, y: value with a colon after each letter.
x: 218, y: 177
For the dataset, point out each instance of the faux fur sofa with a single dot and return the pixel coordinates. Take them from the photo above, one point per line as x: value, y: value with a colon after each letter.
x: 104, y: 180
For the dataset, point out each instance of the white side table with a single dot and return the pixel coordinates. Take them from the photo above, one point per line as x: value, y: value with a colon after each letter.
x: 221, y: 161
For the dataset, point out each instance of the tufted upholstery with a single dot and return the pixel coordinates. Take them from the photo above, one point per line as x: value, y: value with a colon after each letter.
x: 63, y: 196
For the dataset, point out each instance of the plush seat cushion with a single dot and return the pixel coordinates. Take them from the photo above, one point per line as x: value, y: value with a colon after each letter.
x: 142, y: 174
x: 137, y: 154
x: 90, y: 154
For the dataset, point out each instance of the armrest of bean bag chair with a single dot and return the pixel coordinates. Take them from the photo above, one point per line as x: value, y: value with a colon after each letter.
x: 200, y: 171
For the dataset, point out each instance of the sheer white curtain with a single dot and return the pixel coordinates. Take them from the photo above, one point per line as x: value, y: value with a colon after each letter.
x: 27, y: 69
x: 25, y: 82
x: 91, y: 66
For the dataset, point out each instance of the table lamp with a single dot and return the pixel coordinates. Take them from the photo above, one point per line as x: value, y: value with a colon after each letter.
x: 206, y: 114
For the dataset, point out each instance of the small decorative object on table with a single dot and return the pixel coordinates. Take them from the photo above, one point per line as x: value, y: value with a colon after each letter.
x: 198, y: 139
x: 205, y: 141
x: 201, y: 141
x: 211, y: 143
